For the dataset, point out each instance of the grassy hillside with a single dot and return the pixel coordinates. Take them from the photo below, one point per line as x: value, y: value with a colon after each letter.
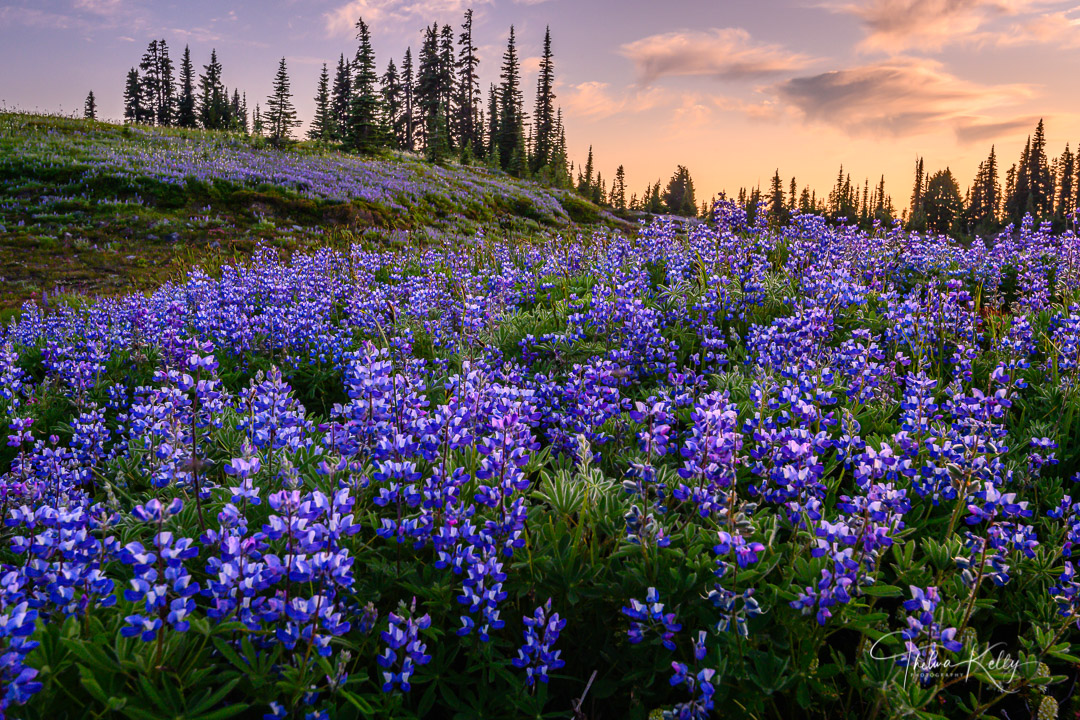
x: 91, y: 207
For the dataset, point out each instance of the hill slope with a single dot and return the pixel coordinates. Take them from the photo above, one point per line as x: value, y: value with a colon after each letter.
x: 93, y: 207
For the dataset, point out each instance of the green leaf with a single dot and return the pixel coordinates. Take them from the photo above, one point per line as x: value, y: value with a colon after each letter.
x: 222, y: 713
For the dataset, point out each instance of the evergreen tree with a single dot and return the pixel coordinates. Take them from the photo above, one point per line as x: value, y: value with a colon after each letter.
x: 984, y: 198
x: 408, y: 102
x: 166, y: 108
x: 544, y: 115
x: 1040, y: 178
x: 322, y: 125
x: 468, y: 93
x: 365, y: 128
x: 991, y: 188
x: 148, y: 68
x: 339, y: 102
x: 883, y: 207
x: 1020, y: 200
x: 917, y: 191
x: 679, y: 196
x: 559, y: 175
x: 213, y: 100
x: 655, y: 204
x: 942, y: 203
x: 257, y: 121
x: 185, y: 106
x: 135, y: 111
x: 281, y: 116
x: 917, y: 219
x: 90, y: 107
x: 493, y: 122
x: 237, y: 113
x: 1066, y: 194
x: 447, y: 88
x: 392, y: 92
x: 777, y: 208
x: 864, y: 208
x: 618, y: 189
x: 792, y: 197
x: 429, y: 93
x: 585, y: 181
x: 511, y: 115
x: 157, y: 79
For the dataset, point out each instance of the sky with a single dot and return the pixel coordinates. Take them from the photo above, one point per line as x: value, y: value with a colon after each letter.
x: 732, y: 89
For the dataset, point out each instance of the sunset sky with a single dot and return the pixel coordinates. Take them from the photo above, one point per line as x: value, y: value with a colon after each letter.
x: 732, y: 90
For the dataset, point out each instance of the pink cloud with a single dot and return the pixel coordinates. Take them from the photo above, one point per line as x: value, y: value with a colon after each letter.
x: 721, y: 53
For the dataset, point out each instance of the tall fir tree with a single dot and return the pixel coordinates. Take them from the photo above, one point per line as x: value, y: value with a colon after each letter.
x: 777, y: 209
x: 365, y: 109
x: 90, y: 106
x: 185, y: 105
x: 468, y: 89
x: 618, y: 189
x: 151, y: 82
x: 984, y: 197
x: 429, y: 95
x: 1066, y: 193
x: 322, y: 125
x: 166, y: 106
x: 544, y: 114
x: 244, y: 114
x: 447, y: 84
x: 560, y: 173
x: 492, y: 146
x: 408, y: 102
x: 511, y: 130
x: 1020, y: 200
x: 339, y: 100
x: 392, y: 104
x: 237, y: 113
x: 135, y: 110
x: 213, y: 100
x: 917, y: 190
x: 585, y: 179
x: 280, y: 113
x: 942, y: 203
x: 1040, y: 178
x: 157, y: 80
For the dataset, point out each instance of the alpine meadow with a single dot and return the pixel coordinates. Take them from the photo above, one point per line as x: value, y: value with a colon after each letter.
x: 345, y: 374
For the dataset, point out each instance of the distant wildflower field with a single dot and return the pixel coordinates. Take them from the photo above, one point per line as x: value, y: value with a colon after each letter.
x: 716, y: 471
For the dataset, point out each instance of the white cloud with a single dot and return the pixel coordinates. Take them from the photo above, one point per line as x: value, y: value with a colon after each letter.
x: 342, y: 19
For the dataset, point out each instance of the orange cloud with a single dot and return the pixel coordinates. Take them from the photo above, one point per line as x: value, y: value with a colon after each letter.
x: 596, y: 100
x: 899, y: 97
x: 896, y: 25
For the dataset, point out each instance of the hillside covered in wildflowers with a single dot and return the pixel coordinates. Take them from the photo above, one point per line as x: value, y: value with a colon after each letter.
x: 806, y: 471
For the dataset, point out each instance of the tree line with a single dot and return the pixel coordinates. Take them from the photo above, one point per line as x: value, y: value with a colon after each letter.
x: 429, y: 103
x: 1044, y: 188
x: 155, y: 95
x: 1047, y: 189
